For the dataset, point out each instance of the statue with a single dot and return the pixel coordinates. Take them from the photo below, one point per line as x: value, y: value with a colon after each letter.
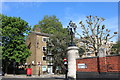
x: 71, y: 30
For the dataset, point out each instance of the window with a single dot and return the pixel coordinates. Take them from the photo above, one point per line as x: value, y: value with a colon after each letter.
x: 44, y: 39
x: 44, y: 68
x: 50, y: 58
x: 43, y: 49
x: 44, y: 58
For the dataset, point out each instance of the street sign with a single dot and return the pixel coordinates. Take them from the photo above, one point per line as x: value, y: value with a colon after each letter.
x: 82, y: 65
x: 65, y: 59
x: 65, y: 62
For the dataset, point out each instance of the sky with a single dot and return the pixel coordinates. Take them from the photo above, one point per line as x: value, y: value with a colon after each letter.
x: 60, y: 0
x: 33, y: 12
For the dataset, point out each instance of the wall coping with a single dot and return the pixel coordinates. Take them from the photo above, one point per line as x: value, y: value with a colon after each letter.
x: 72, y: 48
x: 87, y: 57
x: 113, y: 55
x: 42, y: 34
x: 98, y: 56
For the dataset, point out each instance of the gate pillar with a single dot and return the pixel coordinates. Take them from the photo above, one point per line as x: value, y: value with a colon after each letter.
x: 72, y: 53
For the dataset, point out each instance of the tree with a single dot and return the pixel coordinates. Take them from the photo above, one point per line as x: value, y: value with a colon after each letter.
x: 13, y: 40
x: 49, y: 24
x: 116, y: 48
x: 59, y: 42
x: 0, y: 41
x: 59, y: 38
x: 94, y: 35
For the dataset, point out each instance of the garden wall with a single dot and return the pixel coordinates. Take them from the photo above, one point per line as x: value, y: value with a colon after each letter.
x: 98, y: 67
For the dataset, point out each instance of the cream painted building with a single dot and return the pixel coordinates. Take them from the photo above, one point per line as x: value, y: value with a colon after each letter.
x: 105, y: 49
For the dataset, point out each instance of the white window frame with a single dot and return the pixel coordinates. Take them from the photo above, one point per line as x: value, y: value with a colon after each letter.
x: 43, y: 39
x: 42, y: 48
x: 42, y: 58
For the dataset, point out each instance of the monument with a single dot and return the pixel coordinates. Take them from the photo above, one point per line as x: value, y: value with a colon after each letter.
x: 72, y: 51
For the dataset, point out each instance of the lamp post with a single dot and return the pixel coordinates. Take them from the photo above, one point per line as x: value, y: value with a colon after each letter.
x: 71, y: 31
x: 39, y: 63
x: 66, y: 69
x: 14, y: 66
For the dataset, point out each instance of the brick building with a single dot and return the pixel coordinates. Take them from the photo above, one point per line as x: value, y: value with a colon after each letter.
x: 36, y: 42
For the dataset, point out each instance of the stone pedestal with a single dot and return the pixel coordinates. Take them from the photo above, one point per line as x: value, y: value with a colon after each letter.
x: 72, y: 55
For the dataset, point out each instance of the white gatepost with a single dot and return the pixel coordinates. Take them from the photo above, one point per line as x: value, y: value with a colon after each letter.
x: 72, y: 53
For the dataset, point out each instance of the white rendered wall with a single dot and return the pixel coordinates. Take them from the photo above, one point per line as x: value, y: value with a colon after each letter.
x: 72, y: 55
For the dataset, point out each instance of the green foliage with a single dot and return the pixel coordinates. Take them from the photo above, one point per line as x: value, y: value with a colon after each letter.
x: 59, y: 39
x: 0, y: 52
x: 34, y: 28
x: 49, y: 24
x: 59, y: 42
x: 115, y: 48
x: 13, y: 32
x: 81, y: 51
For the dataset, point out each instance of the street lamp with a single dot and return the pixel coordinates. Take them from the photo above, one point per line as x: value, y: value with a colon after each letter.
x: 71, y: 30
x: 14, y: 66
x: 39, y: 63
x: 66, y: 69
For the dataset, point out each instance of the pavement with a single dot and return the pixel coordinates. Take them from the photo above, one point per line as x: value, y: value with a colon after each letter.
x: 47, y: 77
x: 34, y: 76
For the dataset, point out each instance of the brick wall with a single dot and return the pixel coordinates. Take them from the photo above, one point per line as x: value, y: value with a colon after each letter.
x: 106, y: 64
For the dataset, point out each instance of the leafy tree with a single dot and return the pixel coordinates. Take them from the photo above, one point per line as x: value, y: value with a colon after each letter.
x: 59, y: 42
x: 59, y: 38
x: 0, y: 40
x: 36, y: 27
x: 94, y: 35
x: 81, y: 51
x: 115, y: 48
x: 13, y: 39
x: 49, y: 24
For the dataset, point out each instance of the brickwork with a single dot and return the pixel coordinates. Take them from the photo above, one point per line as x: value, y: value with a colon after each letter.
x: 35, y: 43
x: 106, y: 64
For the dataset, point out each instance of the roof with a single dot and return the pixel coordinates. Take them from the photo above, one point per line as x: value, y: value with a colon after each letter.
x: 42, y: 34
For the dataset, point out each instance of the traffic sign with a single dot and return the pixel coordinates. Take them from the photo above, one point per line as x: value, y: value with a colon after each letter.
x: 65, y: 59
x: 65, y: 62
